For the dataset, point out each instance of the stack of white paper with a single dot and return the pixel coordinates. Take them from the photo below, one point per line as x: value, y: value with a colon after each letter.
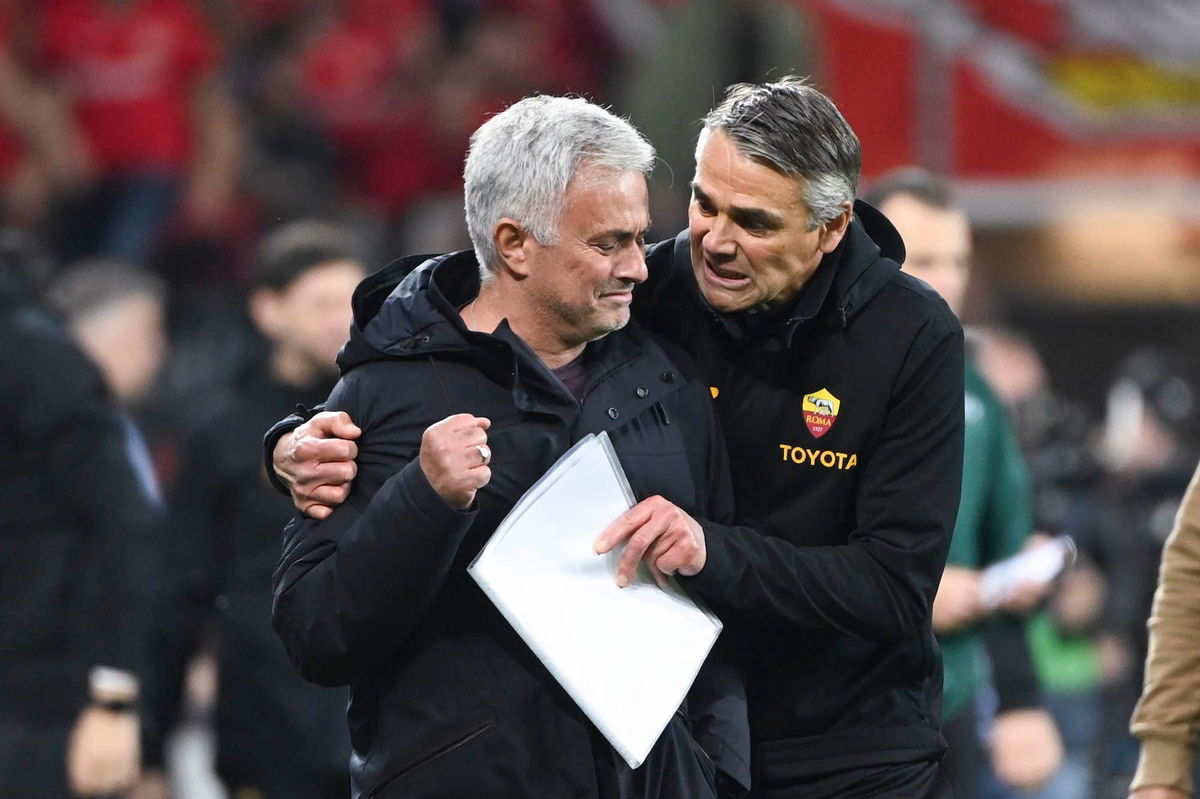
x: 626, y: 656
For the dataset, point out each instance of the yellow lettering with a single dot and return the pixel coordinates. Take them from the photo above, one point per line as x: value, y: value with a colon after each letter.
x: 818, y: 457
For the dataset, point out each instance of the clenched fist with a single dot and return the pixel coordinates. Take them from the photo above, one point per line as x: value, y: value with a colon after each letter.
x: 455, y: 458
x: 316, y: 461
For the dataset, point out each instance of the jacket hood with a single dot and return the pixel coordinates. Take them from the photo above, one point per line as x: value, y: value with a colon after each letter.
x: 401, y: 306
x: 867, y: 258
x: 871, y: 254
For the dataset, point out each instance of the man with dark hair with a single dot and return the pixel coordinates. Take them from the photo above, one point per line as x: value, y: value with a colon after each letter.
x: 276, y: 736
x: 995, y: 519
x: 77, y: 525
x: 838, y: 381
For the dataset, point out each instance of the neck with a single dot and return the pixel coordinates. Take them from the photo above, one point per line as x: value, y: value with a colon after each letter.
x: 293, y: 369
x: 499, y: 300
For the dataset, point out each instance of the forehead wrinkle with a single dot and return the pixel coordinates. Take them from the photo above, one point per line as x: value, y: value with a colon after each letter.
x: 761, y: 184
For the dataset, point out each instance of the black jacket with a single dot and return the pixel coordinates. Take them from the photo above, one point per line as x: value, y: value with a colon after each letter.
x: 77, y: 522
x: 446, y: 698
x: 274, y: 731
x: 827, y: 586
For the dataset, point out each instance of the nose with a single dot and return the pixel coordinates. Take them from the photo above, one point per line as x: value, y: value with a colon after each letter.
x: 718, y: 240
x: 632, y: 267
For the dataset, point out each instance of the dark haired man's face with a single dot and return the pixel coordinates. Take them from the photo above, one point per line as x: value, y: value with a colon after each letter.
x: 751, y: 246
x: 309, y: 319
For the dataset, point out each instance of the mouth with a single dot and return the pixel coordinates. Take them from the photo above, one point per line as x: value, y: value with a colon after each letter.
x: 623, y: 296
x: 723, y: 277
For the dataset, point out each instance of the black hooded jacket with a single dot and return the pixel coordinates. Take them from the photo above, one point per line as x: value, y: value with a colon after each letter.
x: 446, y: 698
x: 846, y: 501
x: 78, y: 523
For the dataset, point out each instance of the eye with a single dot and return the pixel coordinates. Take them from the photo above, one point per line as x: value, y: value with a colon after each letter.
x: 704, y: 205
x: 606, y: 245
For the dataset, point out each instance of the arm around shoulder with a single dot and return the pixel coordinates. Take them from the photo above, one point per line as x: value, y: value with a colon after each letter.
x: 349, y: 588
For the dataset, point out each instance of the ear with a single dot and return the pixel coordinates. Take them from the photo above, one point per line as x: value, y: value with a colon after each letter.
x: 833, y: 230
x: 265, y: 311
x: 513, y: 244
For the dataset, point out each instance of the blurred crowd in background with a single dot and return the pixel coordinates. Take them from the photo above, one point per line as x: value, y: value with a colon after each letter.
x: 149, y: 149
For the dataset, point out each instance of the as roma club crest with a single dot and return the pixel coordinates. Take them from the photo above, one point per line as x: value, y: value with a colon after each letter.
x: 820, y: 412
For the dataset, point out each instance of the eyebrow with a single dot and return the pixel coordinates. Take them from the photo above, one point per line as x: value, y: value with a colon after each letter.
x: 621, y: 233
x: 745, y: 217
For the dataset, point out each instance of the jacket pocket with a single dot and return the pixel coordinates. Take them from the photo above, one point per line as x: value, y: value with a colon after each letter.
x: 475, y: 731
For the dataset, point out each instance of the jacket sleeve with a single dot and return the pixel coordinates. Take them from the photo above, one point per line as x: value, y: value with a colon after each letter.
x: 1167, y: 717
x: 1013, y: 673
x: 1007, y: 525
x: 60, y: 405
x: 350, y: 589
x: 880, y: 584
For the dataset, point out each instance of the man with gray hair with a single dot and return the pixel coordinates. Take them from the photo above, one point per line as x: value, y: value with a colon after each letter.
x: 78, y: 529
x: 468, y: 381
x: 838, y: 381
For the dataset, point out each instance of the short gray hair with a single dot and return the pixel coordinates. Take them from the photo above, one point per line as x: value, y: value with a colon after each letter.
x: 792, y: 128
x: 94, y: 285
x: 522, y: 160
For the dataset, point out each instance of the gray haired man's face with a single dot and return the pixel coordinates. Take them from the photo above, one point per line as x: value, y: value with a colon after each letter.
x: 586, y: 280
x: 751, y: 246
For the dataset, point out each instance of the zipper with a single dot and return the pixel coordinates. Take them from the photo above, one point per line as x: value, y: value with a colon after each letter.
x: 432, y: 755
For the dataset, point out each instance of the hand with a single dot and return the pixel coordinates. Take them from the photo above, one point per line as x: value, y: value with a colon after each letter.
x: 316, y: 461
x: 957, y: 603
x: 1026, y: 748
x: 152, y: 785
x: 455, y: 458
x: 103, y: 752
x: 1080, y: 598
x: 1158, y: 792
x: 1024, y: 597
x: 665, y: 536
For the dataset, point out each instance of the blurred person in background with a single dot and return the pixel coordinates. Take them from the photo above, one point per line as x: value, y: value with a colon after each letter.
x: 116, y: 312
x: 1054, y: 434
x: 995, y: 520
x: 1148, y: 457
x: 277, y: 737
x: 77, y: 533
x: 142, y: 81
x: 1167, y: 716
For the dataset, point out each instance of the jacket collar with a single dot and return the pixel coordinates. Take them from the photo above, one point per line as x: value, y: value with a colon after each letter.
x: 867, y: 258
x: 418, y: 318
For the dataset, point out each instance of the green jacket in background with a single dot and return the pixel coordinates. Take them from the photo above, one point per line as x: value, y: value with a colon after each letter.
x: 995, y: 517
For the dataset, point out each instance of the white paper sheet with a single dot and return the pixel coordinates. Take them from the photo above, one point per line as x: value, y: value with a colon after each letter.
x: 626, y: 656
x: 1037, y: 565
